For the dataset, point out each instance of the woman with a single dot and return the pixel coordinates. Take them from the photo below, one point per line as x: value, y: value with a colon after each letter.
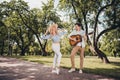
x: 55, y: 36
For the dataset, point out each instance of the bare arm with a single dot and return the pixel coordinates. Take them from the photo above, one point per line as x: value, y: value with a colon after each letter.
x: 72, y: 39
x: 48, y: 30
x: 85, y: 38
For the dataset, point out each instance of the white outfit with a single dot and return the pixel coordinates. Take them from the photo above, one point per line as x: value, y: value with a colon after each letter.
x: 56, y: 47
x: 57, y: 56
x: 82, y: 33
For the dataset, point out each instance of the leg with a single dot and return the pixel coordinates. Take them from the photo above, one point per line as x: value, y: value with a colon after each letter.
x: 73, y: 52
x: 54, y: 63
x: 59, y: 59
x: 81, y: 58
x: 55, y: 56
x: 58, y: 54
x: 55, y: 60
x: 56, y: 49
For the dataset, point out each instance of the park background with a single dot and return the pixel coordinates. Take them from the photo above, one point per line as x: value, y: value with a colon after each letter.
x: 22, y: 26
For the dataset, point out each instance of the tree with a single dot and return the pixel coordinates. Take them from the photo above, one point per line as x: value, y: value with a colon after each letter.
x: 111, y: 45
x: 83, y: 10
x: 114, y: 25
x: 24, y: 23
x: 18, y: 33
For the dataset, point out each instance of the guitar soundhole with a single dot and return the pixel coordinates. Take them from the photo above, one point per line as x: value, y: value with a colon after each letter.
x: 77, y: 38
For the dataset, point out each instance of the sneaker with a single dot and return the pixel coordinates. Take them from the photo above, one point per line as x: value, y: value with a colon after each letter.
x: 80, y: 71
x: 57, y: 71
x: 53, y: 71
x: 71, y: 70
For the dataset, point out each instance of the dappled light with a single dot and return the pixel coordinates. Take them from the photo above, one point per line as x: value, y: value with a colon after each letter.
x: 59, y: 39
x: 39, y: 72
x: 10, y: 65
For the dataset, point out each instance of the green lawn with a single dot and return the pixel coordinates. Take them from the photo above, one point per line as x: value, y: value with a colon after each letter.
x: 92, y: 64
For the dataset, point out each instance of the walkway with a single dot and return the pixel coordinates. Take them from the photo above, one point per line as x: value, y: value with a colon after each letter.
x: 16, y: 69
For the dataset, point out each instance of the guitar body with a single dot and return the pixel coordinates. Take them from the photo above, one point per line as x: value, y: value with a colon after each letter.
x: 78, y: 39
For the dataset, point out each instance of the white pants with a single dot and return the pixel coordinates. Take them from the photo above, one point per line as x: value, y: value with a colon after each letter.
x: 57, y: 56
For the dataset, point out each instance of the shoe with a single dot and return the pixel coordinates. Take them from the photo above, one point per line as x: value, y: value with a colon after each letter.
x: 71, y: 70
x: 80, y: 71
x: 53, y: 71
x: 57, y: 71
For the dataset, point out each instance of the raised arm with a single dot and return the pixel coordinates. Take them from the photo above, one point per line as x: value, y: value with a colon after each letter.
x: 46, y: 36
x: 62, y: 32
x: 47, y: 31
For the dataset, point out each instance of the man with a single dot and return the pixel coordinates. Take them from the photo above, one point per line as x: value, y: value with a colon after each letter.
x: 80, y: 46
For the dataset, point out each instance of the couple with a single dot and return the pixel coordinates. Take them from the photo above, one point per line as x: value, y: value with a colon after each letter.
x: 55, y: 36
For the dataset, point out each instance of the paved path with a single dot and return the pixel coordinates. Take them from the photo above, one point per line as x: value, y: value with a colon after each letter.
x: 16, y: 69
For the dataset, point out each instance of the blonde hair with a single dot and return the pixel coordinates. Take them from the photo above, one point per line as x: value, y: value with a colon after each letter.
x: 53, y: 28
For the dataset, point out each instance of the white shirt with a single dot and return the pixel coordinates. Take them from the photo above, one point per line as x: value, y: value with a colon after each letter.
x: 82, y: 33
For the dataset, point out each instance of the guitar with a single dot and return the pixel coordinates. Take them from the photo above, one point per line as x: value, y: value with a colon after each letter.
x: 78, y: 39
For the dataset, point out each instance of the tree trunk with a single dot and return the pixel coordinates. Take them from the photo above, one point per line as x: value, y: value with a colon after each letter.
x: 22, y: 52
x: 10, y: 50
x: 44, y: 53
x: 99, y: 52
x: 2, y: 49
x: 101, y: 55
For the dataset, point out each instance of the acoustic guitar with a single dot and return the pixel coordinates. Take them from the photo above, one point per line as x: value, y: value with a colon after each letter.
x: 78, y: 39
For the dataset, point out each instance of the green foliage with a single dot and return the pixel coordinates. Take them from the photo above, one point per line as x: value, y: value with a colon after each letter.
x: 65, y: 46
x: 110, y: 42
x: 23, y: 25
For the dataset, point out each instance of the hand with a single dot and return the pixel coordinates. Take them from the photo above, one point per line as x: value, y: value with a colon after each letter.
x: 74, y: 39
x: 46, y: 32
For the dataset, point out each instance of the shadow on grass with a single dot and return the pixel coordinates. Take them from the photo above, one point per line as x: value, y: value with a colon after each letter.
x: 112, y: 73
x: 115, y: 63
x: 41, y: 62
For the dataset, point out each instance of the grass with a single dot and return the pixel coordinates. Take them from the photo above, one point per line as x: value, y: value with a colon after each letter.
x: 92, y: 64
